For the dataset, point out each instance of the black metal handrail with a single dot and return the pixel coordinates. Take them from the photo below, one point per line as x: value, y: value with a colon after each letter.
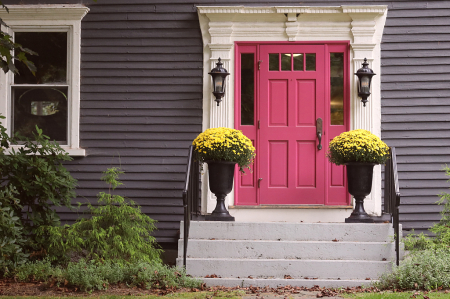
x: 191, y: 197
x: 392, y: 197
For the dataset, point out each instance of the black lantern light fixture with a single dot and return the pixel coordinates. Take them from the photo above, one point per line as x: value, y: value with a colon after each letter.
x: 219, y: 75
x: 365, y: 75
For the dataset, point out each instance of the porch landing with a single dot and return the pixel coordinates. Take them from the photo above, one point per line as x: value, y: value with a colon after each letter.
x: 280, y: 253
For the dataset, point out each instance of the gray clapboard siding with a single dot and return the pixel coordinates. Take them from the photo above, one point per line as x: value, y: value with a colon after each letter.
x: 141, y: 101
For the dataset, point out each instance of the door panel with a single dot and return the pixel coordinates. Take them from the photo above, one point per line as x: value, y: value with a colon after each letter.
x: 290, y: 101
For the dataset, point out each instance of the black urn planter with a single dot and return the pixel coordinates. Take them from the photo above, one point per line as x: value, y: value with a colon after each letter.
x: 359, y: 177
x: 221, y: 176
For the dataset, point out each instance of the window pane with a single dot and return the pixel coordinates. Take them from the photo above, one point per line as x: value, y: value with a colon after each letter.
x: 285, y: 62
x: 311, y: 62
x: 51, y: 63
x: 45, y: 107
x: 298, y: 62
x: 337, y: 88
x: 247, y: 89
x: 273, y: 62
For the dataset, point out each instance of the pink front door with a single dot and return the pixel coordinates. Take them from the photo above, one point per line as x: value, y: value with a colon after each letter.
x: 291, y: 101
x: 291, y: 97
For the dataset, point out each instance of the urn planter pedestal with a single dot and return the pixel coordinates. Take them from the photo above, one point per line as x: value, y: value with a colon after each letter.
x: 221, y: 177
x: 359, y: 178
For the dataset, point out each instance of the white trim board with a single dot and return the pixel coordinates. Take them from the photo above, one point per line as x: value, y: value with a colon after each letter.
x: 362, y: 25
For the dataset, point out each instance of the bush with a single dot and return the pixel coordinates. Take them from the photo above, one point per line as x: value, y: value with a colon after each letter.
x: 441, y: 229
x: 11, y: 237
x: 428, y: 269
x: 38, y: 271
x: 32, y: 181
x: 428, y: 264
x: 118, y: 231
x: 93, y: 275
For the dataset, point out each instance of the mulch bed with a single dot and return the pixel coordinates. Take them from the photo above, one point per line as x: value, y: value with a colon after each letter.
x: 9, y: 287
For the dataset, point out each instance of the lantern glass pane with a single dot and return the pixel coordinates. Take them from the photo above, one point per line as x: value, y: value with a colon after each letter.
x: 247, y: 89
x: 218, y: 83
x: 337, y: 88
x: 365, y: 85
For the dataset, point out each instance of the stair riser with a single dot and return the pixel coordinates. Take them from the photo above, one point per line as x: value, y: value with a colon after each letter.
x: 234, y: 268
x: 289, y: 250
x: 274, y: 283
x: 277, y: 231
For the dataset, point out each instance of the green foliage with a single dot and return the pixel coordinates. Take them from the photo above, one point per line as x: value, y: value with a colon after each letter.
x: 39, y: 178
x: 428, y: 269
x: 118, y: 231
x: 11, y: 236
x: 38, y: 271
x: 93, y: 275
x: 428, y: 265
x: 31, y: 177
x: 440, y: 229
x: 10, y: 51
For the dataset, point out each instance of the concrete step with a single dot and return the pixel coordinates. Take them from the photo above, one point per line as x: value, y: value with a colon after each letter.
x: 300, y: 250
x: 281, y: 231
x: 279, y: 268
x: 274, y: 282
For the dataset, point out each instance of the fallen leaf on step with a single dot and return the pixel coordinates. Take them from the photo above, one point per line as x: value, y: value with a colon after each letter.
x: 287, y: 277
x: 367, y: 278
x: 383, y: 259
x: 335, y: 240
x: 250, y: 277
x: 319, y: 295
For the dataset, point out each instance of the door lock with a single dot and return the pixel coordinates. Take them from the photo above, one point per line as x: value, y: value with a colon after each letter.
x: 319, y: 132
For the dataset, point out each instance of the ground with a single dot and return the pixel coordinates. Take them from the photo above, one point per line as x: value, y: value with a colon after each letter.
x: 13, y: 288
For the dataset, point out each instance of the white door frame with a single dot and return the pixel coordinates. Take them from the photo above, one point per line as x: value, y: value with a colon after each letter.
x: 362, y: 25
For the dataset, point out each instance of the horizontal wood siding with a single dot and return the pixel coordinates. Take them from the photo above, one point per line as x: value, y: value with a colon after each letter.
x: 142, y: 88
x: 415, y: 105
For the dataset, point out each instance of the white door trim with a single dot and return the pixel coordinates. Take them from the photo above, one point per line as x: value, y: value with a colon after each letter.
x: 362, y: 25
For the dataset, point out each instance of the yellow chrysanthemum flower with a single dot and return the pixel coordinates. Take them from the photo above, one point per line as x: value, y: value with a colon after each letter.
x: 357, y: 146
x: 225, y: 144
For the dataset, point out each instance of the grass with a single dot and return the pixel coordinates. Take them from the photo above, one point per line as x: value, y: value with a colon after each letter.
x: 400, y: 295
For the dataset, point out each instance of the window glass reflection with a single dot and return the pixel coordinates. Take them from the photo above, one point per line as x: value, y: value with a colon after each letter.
x: 337, y: 88
x: 274, y: 62
x: 247, y: 89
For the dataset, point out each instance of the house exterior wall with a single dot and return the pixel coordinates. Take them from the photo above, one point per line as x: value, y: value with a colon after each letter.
x: 141, y: 100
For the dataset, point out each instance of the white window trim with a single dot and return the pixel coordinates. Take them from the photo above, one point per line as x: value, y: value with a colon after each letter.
x: 362, y: 25
x: 49, y: 18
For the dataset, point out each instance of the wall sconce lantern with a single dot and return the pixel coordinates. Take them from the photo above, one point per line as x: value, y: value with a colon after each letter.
x: 365, y: 75
x: 219, y: 75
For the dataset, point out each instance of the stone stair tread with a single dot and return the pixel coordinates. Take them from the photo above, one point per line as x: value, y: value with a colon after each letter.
x: 294, y: 241
x: 284, y: 259
x: 276, y: 282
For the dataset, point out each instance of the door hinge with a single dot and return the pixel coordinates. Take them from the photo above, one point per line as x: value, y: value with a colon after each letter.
x: 259, y: 64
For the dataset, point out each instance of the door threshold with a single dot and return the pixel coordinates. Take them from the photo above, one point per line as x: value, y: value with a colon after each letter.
x: 291, y: 207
